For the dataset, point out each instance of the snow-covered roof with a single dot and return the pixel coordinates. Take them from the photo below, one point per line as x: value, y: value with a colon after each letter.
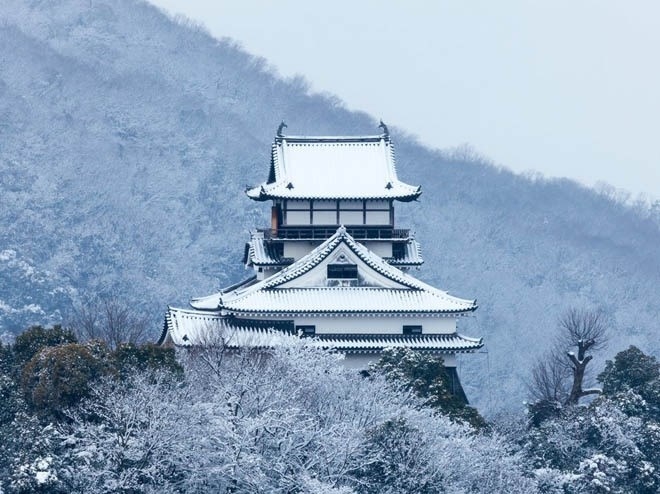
x: 388, y: 289
x: 366, y: 343
x: 210, y: 302
x: 412, y: 255
x: 184, y: 327
x: 261, y: 252
x: 345, y: 300
x: 333, y: 168
x: 190, y: 327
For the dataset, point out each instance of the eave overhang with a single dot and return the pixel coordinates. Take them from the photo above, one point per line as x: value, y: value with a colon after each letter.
x: 337, y: 167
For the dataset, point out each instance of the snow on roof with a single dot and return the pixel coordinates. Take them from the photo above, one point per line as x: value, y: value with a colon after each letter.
x: 411, y: 296
x: 341, y: 300
x: 412, y: 255
x: 196, y: 328
x: 442, y: 343
x: 210, y: 302
x: 333, y: 168
x: 260, y: 252
x: 185, y: 327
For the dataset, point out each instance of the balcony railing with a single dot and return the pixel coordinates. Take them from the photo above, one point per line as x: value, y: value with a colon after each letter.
x: 316, y: 233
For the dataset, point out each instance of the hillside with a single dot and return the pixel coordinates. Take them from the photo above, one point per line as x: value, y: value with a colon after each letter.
x: 127, y: 139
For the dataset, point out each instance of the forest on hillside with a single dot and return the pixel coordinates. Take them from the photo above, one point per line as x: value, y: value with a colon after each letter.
x: 127, y: 139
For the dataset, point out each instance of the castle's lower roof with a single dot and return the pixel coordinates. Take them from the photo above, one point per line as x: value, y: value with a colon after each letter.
x: 345, y: 300
x: 185, y: 327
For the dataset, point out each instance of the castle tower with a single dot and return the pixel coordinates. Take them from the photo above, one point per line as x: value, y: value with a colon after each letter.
x: 332, y: 265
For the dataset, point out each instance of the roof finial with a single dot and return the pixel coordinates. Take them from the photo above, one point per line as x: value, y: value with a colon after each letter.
x: 386, y: 131
x: 281, y: 128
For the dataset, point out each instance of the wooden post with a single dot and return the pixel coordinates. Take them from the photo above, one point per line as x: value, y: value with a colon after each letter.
x: 274, y: 223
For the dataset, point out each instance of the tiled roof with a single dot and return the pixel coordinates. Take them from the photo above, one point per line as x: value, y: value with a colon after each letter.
x: 453, y: 343
x: 317, y: 255
x: 260, y: 252
x: 412, y: 255
x: 268, y: 296
x: 342, y: 237
x: 333, y: 168
x: 193, y: 328
x: 185, y: 327
x: 210, y: 302
x: 344, y: 300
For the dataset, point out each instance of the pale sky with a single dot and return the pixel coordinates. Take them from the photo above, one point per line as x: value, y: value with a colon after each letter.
x: 565, y: 88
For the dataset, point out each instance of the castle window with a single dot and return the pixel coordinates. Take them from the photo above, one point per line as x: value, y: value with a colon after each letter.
x: 398, y: 250
x: 342, y: 271
x: 276, y: 249
x: 409, y: 330
x: 306, y: 330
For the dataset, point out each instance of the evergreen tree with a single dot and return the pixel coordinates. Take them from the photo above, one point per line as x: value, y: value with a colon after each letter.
x: 427, y: 378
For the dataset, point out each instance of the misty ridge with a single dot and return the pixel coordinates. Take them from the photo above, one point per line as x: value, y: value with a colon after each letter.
x: 127, y: 139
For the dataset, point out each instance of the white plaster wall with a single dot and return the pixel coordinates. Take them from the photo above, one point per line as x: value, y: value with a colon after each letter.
x: 297, y: 218
x: 325, y: 218
x: 298, y: 249
x: 378, y: 218
x: 351, y: 217
x: 382, y: 249
x: 377, y: 204
x: 379, y: 325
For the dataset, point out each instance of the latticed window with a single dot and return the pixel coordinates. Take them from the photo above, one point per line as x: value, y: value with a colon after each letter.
x: 342, y: 271
x: 398, y: 250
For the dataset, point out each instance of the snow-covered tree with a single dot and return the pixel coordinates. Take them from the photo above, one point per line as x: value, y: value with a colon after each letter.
x: 609, y: 446
x: 134, y: 435
x: 426, y: 377
x: 290, y: 419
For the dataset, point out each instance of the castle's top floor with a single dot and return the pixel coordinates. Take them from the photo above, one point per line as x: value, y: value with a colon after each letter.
x: 333, y: 168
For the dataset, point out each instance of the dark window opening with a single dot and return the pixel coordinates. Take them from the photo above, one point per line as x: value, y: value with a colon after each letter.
x: 306, y: 330
x: 398, y: 250
x: 342, y: 271
x: 412, y: 330
x: 277, y: 249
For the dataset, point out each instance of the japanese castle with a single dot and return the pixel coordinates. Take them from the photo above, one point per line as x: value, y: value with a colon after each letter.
x: 332, y: 266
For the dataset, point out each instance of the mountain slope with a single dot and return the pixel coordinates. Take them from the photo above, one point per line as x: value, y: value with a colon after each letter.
x: 127, y: 139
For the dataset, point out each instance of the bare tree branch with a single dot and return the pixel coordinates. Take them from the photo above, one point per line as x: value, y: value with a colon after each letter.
x: 110, y: 320
x: 559, y: 376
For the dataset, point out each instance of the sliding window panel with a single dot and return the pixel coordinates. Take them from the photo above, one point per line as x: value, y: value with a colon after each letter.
x: 378, y: 217
x: 297, y: 217
x: 325, y: 217
x: 351, y: 217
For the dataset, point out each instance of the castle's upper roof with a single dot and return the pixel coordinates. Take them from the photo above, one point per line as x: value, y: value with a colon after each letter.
x: 333, y: 168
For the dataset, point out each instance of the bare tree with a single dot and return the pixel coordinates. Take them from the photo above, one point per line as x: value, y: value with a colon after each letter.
x: 586, y: 330
x: 559, y: 376
x: 549, y: 381
x: 111, y: 320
